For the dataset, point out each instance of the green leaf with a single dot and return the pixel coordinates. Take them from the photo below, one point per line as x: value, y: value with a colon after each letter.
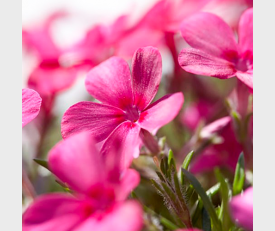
x: 171, y: 159
x: 206, y: 202
x: 185, y: 165
x: 226, y: 196
x: 206, y: 222
x: 239, y: 177
x: 213, y: 190
x: 164, y: 165
x: 43, y: 163
x: 187, y: 160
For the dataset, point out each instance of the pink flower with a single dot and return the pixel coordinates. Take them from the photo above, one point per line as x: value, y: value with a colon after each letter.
x: 215, y: 51
x: 195, y: 113
x: 99, y: 192
x: 225, y: 153
x: 125, y: 111
x: 55, y: 71
x: 31, y: 102
x: 241, y: 208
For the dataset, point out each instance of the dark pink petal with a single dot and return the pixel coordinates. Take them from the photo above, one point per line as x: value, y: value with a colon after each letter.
x: 161, y: 112
x: 52, y: 212
x: 51, y: 80
x: 246, y: 78
x: 126, y: 216
x: 31, y: 102
x: 147, y: 71
x: 76, y: 162
x: 110, y: 82
x: 126, y: 138
x: 100, y: 120
x: 129, y: 180
x: 241, y: 208
x: 198, y: 62
x: 209, y: 33
x: 246, y: 32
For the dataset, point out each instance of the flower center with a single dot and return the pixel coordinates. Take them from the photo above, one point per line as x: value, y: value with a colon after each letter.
x: 132, y: 114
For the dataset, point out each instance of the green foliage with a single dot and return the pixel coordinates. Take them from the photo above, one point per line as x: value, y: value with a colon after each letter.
x: 239, y: 177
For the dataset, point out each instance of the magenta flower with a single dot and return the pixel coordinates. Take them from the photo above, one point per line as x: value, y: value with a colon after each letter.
x: 225, y: 153
x: 215, y: 51
x: 54, y: 71
x: 31, y: 102
x: 241, y: 208
x: 125, y: 111
x: 99, y: 192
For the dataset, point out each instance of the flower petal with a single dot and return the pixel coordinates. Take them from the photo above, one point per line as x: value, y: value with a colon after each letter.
x: 110, y: 82
x: 76, y: 162
x: 198, y: 62
x: 130, y: 179
x: 51, y: 211
x: 241, y: 208
x: 31, y: 102
x: 161, y: 112
x: 40, y: 39
x: 209, y: 33
x: 100, y: 120
x: 246, y: 32
x: 147, y: 71
x: 246, y: 78
x: 121, y: 217
x: 51, y: 80
x: 124, y: 138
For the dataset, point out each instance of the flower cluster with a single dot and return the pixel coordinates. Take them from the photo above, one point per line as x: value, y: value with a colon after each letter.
x: 128, y: 158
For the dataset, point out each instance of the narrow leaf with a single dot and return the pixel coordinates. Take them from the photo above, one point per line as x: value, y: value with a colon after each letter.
x: 185, y: 165
x: 206, y: 202
x: 206, y: 222
x: 43, y: 163
x: 171, y: 159
x: 239, y: 177
x: 225, y: 195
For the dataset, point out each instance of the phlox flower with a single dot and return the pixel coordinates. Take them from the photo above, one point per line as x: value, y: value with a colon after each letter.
x: 99, y: 191
x: 53, y: 73
x: 214, y: 50
x: 31, y: 102
x: 125, y: 111
x: 241, y: 209
x: 224, y: 153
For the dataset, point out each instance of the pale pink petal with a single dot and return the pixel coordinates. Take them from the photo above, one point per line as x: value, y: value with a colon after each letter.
x: 100, y: 120
x: 198, y: 62
x: 161, y: 112
x: 129, y: 180
x: 147, y: 71
x: 241, y: 208
x: 126, y: 216
x: 51, y: 212
x: 49, y: 80
x: 215, y: 127
x: 209, y: 33
x: 76, y: 162
x: 110, y: 82
x: 126, y: 139
x: 246, y: 32
x: 39, y: 38
x: 31, y: 102
x: 246, y: 78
